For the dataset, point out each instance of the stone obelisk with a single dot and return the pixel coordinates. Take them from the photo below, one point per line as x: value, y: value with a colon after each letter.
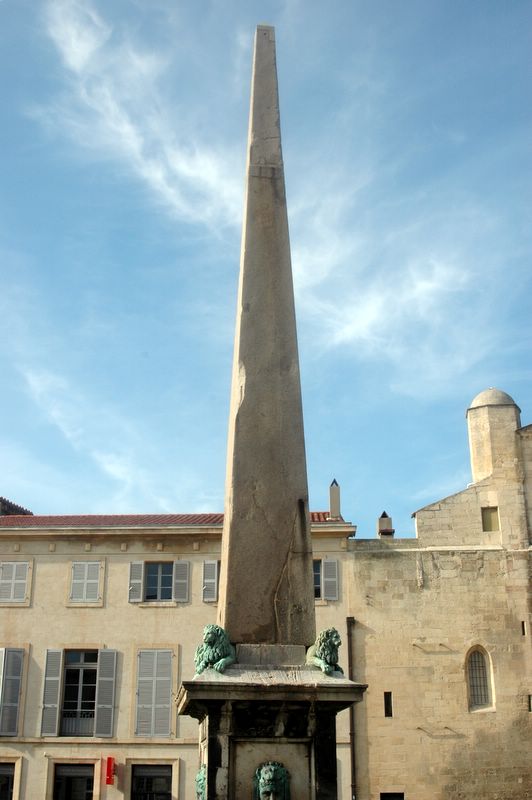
x: 266, y: 588
x: 268, y: 721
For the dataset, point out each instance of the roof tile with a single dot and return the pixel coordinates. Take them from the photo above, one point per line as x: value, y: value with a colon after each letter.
x: 123, y: 520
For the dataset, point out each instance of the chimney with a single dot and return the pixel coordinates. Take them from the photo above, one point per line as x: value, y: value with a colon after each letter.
x: 334, y: 501
x: 385, y: 527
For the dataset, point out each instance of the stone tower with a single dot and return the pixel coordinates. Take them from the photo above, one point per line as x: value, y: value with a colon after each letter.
x: 493, y: 419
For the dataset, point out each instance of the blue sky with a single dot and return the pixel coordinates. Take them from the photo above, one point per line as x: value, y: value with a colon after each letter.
x: 406, y: 136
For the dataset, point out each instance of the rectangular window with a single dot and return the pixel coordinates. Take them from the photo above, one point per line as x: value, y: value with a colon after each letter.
x: 490, y: 518
x: 325, y: 579
x: 13, y: 581
x: 85, y: 582
x: 523, y: 627
x: 316, y: 567
x: 530, y: 702
x: 154, y: 693
x: 211, y: 577
x: 392, y: 796
x: 11, y: 665
x: 73, y: 782
x: 79, y: 689
x: 388, y: 704
x: 79, y: 693
x: 151, y: 781
x: 7, y: 779
x: 159, y: 581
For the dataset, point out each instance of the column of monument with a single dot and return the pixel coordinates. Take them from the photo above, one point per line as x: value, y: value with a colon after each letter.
x: 266, y: 588
x: 267, y: 716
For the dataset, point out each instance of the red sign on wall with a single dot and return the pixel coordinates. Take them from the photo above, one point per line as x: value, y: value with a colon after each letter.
x: 110, y: 770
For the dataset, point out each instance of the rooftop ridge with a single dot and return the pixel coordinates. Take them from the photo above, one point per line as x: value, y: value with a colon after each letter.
x: 119, y: 520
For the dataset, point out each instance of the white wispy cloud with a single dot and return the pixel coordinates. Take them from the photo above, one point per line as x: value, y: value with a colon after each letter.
x: 111, y: 107
x: 97, y: 433
x: 398, y: 290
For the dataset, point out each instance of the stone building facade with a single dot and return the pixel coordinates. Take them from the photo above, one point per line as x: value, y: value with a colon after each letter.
x: 100, y: 617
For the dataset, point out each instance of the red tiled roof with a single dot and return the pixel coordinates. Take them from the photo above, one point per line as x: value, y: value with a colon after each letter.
x: 124, y: 520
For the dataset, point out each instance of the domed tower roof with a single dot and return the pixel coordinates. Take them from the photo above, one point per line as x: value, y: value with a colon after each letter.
x: 493, y: 397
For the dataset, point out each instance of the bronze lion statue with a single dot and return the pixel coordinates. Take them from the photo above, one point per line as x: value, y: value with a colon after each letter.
x: 215, y: 651
x: 201, y: 783
x: 324, y: 652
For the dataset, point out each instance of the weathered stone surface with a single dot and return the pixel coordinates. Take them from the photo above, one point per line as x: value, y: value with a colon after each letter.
x: 266, y: 590
x: 270, y: 654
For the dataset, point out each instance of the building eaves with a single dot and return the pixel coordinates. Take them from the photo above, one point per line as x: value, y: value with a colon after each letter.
x: 127, y: 521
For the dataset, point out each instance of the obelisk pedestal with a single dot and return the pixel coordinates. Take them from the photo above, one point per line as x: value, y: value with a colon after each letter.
x: 269, y: 715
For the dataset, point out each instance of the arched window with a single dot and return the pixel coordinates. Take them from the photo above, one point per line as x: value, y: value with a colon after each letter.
x: 478, y: 679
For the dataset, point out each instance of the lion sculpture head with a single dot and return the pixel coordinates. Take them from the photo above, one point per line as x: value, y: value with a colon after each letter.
x: 215, y: 651
x: 271, y: 782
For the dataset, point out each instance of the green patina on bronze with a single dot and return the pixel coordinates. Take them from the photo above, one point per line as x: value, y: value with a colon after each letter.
x: 271, y: 782
x: 216, y: 651
x: 201, y: 783
x: 324, y: 652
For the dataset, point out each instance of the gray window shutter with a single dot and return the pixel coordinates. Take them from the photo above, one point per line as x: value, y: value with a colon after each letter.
x: 13, y: 581
x: 154, y: 693
x: 12, y: 663
x: 20, y: 582
x: 163, y: 694
x: 145, y: 680
x: 85, y: 581
x: 52, y: 692
x: 6, y: 578
x: 92, y: 591
x: 77, y: 588
x: 330, y: 579
x: 210, y: 581
x: 105, y: 693
x: 136, y: 581
x: 181, y: 573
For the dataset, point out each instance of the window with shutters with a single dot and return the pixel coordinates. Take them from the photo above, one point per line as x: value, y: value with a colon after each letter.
x: 154, y: 693
x: 159, y: 581
x: 211, y: 578
x: 478, y: 674
x: 85, y: 583
x: 11, y: 668
x: 325, y: 579
x: 79, y: 691
x: 15, y: 582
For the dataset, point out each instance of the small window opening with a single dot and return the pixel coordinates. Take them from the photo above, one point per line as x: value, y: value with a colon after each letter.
x: 523, y: 627
x: 392, y: 796
x: 490, y: 518
x: 316, y: 568
x: 7, y: 778
x: 158, y: 581
x: 477, y: 676
x: 530, y: 702
x: 388, y: 704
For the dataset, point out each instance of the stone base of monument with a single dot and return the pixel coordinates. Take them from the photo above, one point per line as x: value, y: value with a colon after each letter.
x: 268, y: 725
